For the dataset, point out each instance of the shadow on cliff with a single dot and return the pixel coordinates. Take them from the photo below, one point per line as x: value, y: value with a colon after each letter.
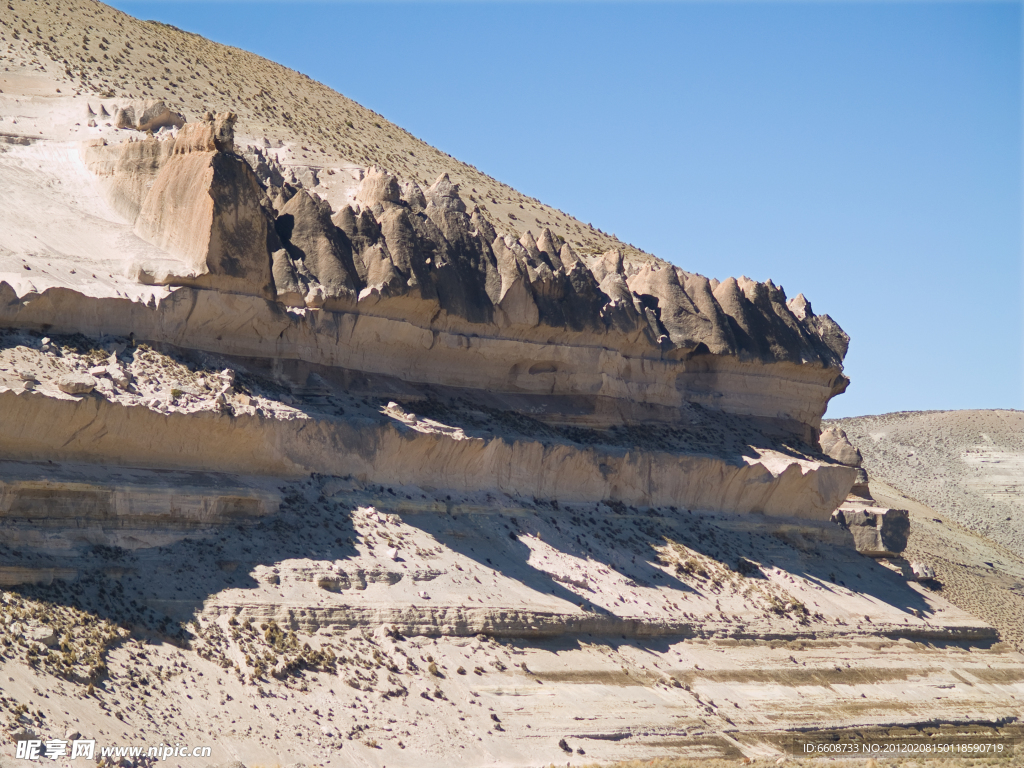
x: 152, y: 590
x: 496, y: 542
x: 623, y: 539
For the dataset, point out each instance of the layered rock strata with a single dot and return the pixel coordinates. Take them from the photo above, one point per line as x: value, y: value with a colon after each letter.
x: 589, y: 383
x: 290, y: 458
x: 417, y: 269
x: 331, y: 431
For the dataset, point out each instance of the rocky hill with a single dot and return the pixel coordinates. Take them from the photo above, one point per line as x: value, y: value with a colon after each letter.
x: 310, y: 453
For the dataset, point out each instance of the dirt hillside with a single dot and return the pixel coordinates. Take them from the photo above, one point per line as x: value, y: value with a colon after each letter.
x: 967, y: 465
x: 120, y: 56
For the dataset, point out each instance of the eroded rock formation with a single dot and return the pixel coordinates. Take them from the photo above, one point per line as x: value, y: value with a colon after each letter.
x: 408, y: 293
x: 144, y: 115
x: 193, y: 198
x: 437, y: 281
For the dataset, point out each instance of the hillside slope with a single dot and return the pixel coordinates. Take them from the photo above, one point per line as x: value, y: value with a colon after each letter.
x: 100, y: 50
x: 972, y: 572
x: 968, y: 465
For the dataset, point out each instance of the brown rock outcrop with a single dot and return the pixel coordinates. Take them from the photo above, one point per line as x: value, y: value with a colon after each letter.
x: 319, y: 250
x: 877, y: 531
x: 835, y: 444
x: 192, y: 198
x: 420, y: 257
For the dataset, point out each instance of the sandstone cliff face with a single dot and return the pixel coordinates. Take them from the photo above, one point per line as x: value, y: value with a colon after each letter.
x: 407, y: 283
x: 443, y: 298
x: 193, y: 198
x: 563, y: 382
x: 37, y: 426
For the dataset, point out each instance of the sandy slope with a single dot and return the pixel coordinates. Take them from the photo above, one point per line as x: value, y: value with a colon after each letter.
x: 960, y: 473
x: 972, y: 572
x: 967, y: 465
x: 120, y: 57
x: 297, y: 651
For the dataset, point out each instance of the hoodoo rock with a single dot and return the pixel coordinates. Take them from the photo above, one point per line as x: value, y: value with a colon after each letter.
x: 319, y: 251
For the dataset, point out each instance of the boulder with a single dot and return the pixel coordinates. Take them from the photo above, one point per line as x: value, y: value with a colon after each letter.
x: 836, y: 445
x: 861, y: 489
x: 345, y: 220
x: 76, y: 383
x: 205, y: 208
x: 194, y: 199
x: 833, y: 338
x: 286, y: 285
x: 530, y: 246
x: 413, y: 196
x: 877, y: 531
x: 214, y: 133
x: 620, y: 312
x: 921, y: 572
x: 719, y: 339
x: 677, y: 315
x: 550, y: 245
x: 42, y: 634
x: 515, y: 298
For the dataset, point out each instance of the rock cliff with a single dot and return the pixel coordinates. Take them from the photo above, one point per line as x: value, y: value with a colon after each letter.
x: 299, y: 438
x: 454, y: 302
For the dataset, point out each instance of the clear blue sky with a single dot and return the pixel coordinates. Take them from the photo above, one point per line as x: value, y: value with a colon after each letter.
x: 866, y: 154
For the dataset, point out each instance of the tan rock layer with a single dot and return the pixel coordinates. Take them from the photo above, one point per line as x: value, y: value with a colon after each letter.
x: 38, y: 427
x: 615, y: 383
x: 45, y: 503
x: 466, y: 621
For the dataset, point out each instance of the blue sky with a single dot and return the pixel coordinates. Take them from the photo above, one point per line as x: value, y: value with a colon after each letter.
x: 866, y: 154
